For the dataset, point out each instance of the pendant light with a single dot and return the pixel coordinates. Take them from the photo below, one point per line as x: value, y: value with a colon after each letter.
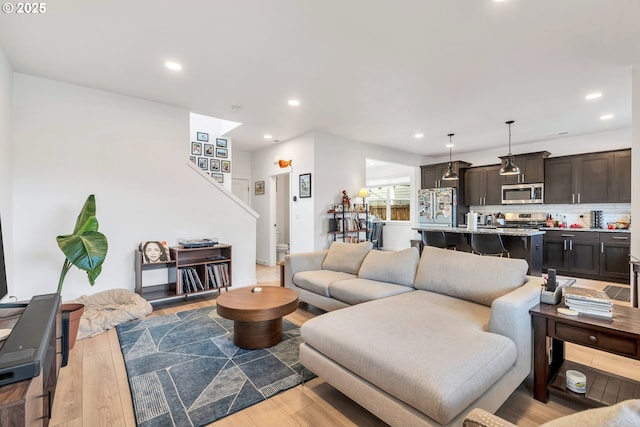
x: 510, y: 168
x: 450, y: 175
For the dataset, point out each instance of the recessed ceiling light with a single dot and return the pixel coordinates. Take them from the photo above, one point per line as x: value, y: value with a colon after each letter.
x: 173, y: 66
x: 294, y: 102
x: 594, y: 95
x: 607, y: 117
x: 499, y: 1
x: 449, y: 145
x: 267, y: 136
x: 418, y: 135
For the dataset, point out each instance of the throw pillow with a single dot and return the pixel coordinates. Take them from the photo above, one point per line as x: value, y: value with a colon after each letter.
x: 346, y: 257
x: 472, y: 277
x: 392, y: 267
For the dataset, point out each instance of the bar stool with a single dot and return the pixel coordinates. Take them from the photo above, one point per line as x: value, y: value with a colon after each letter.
x: 488, y: 244
x: 437, y: 239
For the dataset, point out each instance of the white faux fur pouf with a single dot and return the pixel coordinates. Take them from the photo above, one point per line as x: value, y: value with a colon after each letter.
x: 106, y: 309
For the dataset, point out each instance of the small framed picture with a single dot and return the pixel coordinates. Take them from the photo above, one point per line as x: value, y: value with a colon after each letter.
x: 226, y: 166
x: 196, y: 149
x: 259, y: 187
x: 222, y: 152
x: 208, y: 150
x: 203, y: 163
x: 201, y: 136
x: 214, y: 165
x: 218, y: 177
x: 221, y: 142
x: 305, y: 185
x: 193, y: 159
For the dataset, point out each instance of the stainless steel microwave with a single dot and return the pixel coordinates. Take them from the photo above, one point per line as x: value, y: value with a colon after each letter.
x: 515, y: 194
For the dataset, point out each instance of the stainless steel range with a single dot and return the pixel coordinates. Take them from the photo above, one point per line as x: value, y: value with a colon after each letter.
x: 525, y: 220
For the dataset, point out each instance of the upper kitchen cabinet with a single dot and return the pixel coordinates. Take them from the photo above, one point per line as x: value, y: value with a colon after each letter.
x: 620, y: 185
x: 482, y: 185
x: 589, y: 178
x: 531, y: 168
x: 431, y: 175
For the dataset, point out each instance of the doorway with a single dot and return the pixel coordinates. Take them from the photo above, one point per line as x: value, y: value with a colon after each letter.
x: 280, y: 215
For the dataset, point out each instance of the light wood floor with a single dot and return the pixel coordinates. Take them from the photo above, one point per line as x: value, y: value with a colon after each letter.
x: 93, y: 389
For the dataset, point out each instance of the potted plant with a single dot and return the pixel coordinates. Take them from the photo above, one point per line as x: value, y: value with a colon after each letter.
x: 86, y: 248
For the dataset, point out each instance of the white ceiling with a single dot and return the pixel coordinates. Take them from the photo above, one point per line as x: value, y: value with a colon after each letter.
x: 376, y: 71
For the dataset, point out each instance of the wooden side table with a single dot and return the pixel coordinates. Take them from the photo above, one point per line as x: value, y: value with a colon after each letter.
x: 620, y: 336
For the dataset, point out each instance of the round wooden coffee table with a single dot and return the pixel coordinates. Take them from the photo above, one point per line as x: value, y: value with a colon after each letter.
x: 257, y: 316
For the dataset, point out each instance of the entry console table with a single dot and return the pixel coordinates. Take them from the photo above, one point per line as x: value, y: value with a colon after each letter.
x: 620, y: 336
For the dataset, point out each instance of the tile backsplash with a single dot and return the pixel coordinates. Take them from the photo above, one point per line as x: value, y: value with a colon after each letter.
x: 612, y: 212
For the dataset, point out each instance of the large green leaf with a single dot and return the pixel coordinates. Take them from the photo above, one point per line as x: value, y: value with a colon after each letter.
x: 88, y: 210
x: 86, y: 247
x: 86, y: 251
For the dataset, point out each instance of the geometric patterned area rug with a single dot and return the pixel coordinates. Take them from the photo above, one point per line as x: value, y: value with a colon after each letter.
x: 184, y: 369
x: 618, y: 293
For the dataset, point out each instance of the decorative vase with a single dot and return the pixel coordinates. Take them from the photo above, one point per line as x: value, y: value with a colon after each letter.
x: 73, y: 312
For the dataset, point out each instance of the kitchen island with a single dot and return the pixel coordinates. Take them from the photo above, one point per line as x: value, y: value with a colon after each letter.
x: 522, y: 243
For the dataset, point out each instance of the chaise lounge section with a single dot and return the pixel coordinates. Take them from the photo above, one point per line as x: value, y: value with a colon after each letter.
x: 458, y: 336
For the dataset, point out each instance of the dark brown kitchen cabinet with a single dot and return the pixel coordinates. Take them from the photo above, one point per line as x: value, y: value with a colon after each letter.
x: 482, y: 185
x: 570, y: 252
x: 621, y: 181
x: 558, y: 179
x: 589, y: 178
x: 531, y: 168
x: 431, y: 175
x: 614, y: 256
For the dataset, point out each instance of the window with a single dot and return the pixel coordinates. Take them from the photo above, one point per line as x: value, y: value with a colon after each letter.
x: 391, y: 202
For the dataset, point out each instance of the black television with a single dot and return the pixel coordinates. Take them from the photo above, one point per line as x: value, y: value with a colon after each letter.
x: 3, y: 272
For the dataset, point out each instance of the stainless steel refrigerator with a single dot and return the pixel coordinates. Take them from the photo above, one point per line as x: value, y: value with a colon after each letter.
x: 437, y: 207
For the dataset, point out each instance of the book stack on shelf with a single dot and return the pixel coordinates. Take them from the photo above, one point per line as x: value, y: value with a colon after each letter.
x: 218, y: 275
x: 590, y: 302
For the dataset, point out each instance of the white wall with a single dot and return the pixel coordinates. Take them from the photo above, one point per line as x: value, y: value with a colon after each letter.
x: 335, y: 164
x: 241, y: 167
x: 70, y: 141
x: 341, y: 164
x: 301, y: 214
x: 5, y: 165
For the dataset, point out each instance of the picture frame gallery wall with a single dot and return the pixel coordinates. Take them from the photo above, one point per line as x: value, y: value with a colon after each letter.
x: 212, y: 156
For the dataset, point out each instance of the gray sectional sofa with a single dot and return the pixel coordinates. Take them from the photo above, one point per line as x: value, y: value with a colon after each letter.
x: 418, y: 341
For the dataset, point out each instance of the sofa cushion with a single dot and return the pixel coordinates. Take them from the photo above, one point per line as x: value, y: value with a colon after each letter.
x: 346, y: 257
x: 483, y: 278
x: 393, y: 267
x: 356, y: 291
x: 439, y: 369
x: 318, y: 281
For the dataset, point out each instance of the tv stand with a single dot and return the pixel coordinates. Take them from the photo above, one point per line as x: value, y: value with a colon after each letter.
x: 29, y: 402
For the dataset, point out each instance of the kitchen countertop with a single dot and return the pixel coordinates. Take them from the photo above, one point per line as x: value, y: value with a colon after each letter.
x: 523, y: 232
x: 601, y: 230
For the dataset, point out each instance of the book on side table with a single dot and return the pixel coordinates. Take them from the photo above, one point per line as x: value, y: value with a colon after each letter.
x: 590, y: 302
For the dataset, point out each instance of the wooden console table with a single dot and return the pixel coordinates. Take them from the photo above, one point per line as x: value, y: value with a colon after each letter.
x: 620, y: 336
x: 28, y: 403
